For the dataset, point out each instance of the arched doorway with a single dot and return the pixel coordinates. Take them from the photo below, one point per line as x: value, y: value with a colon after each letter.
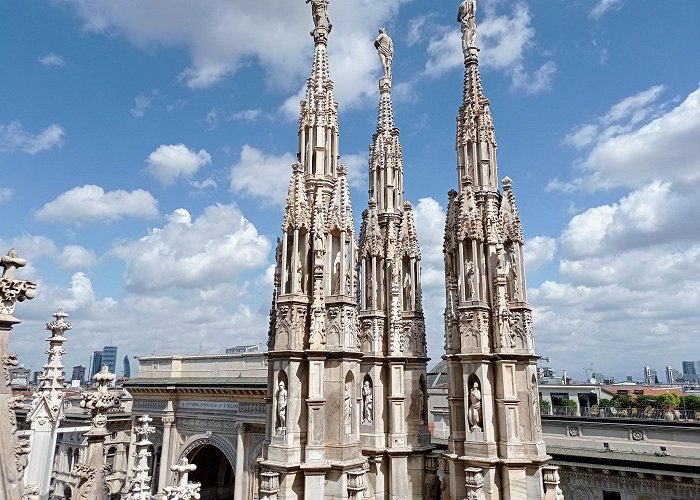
x: 214, y: 472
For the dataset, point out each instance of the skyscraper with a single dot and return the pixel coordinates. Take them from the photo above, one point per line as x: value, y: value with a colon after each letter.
x: 96, y: 363
x: 691, y: 370
x: 650, y: 376
x: 127, y: 367
x: 109, y: 358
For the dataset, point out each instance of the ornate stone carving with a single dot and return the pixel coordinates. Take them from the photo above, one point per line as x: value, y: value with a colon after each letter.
x: 466, y: 16
x: 637, y: 435
x: 11, y: 289
x: 140, y: 487
x: 282, y: 409
x: 385, y: 47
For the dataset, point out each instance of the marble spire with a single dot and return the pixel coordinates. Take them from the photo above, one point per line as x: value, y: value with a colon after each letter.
x: 46, y: 410
x: 13, y: 451
x: 394, y: 429
x: 495, y: 448
x: 313, y: 441
x: 140, y: 486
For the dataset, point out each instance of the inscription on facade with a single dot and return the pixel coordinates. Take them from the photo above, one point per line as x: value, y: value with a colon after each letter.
x: 209, y: 405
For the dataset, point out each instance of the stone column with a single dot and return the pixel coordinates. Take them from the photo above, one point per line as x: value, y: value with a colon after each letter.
x: 168, y: 422
x: 551, y: 483
x: 474, y: 481
x: 11, y: 449
x: 240, y: 462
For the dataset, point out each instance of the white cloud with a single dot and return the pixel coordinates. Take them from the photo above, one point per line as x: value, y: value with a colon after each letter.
x: 13, y: 137
x: 142, y: 103
x: 6, y: 194
x: 93, y: 203
x: 603, y: 6
x: 76, y: 257
x: 503, y: 40
x: 430, y: 225
x: 627, y: 152
x: 52, y: 59
x: 263, y: 176
x: 539, y: 251
x: 223, y: 36
x: 210, y: 250
x: 169, y: 163
x: 248, y: 115
x: 357, y: 169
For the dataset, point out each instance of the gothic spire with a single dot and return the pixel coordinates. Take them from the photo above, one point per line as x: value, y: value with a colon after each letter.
x: 476, y: 139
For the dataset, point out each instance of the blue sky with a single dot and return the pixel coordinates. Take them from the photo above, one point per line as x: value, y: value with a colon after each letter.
x: 147, y: 146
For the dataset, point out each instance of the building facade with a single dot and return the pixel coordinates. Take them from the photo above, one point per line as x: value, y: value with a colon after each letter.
x: 209, y: 409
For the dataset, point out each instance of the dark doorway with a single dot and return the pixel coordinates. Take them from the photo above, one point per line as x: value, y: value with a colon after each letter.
x: 214, y: 472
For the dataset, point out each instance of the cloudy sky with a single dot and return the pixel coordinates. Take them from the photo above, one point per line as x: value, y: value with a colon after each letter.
x: 146, y: 147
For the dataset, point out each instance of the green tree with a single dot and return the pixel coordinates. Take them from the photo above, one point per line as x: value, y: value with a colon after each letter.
x: 605, y: 403
x: 572, y: 407
x: 622, y: 401
x: 545, y: 407
x: 669, y: 401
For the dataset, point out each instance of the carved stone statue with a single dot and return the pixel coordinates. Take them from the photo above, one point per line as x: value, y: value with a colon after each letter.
x: 282, y: 408
x: 419, y: 404
x: 471, y: 281
x: 475, y: 407
x: 467, y: 18
x: 298, y: 279
x: 347, y: 411
x: 385, y: 47
x: 318, y: 325
x: 407, y: 292
x: 319, y: 246
x: 367, y: 402
x: 513, y: 274
x: 319, y: 13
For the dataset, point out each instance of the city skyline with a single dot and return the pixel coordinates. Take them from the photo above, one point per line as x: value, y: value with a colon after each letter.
x: 154, y: 158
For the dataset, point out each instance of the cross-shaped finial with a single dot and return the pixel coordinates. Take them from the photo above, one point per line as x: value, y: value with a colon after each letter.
x: 11, y: 262
x: 183, y: 467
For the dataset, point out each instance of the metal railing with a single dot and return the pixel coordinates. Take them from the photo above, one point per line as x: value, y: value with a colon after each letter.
x: 648, y: 413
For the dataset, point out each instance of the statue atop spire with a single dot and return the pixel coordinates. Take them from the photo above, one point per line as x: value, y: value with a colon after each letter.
x: 322, y: 21
x: 467, y: 18
x: 385, y: 47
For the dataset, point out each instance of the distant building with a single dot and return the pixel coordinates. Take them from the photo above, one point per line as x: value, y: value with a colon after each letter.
x: 673, y: 376
x: 109, y: 358
x: 35, y: 377
x: 78, y: 373
x: 691, y: 371
x: 650, y: 376
x: 20, y: 376
x: 96, y: 363
x: 127, y: 367
x: 241, y: 349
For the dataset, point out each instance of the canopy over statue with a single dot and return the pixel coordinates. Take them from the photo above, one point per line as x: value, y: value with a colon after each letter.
x: 466, y: 16
x: 385, y: 47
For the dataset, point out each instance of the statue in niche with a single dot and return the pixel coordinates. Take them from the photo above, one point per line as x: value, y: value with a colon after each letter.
x: 407, y: 292
x: 513, y: 273
x: 366, y: 403
x: 471, y: 281
x: 348, y: 285
x: 475, y: 407
x: 336, y: 282
x: 466, y: 16
x: 299, y: 279
x: 368, y: 291
x: 282, y: 408
x: 385, y: 47
x: 278, y: 260
x: 501, y: 256
x: 347, y: 411
x: 319, y: 246
x: 419, y: 404
x: 318, y: 325
x: 319, y: 13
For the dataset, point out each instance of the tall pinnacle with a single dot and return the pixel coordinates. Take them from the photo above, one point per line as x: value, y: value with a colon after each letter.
x: 322, y: 21
x: 476, y: 139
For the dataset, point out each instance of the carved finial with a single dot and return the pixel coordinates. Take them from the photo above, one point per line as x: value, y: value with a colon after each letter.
x: 372, y: 204
x: 407, y: 206
x: 322, y: 21
x: 452, y: 194
x: 341, y: 170
x: 507, y: 184
x: 297, y: 167
x: 59, y: 326
x: 385, y: 47
x: 11, y: 289
x: 184, y: 490
x: 466, y: 16
x: 103, y: 378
